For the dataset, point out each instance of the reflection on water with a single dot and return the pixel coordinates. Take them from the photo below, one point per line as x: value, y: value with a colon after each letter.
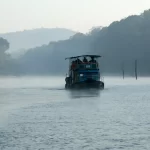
x: 40, y: 114
x: 84, y: 93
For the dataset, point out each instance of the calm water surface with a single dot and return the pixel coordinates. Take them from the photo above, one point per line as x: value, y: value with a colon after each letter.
x: 37, y: 113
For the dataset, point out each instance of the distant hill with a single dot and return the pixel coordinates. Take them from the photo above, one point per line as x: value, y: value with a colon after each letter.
x: 122, y: 42
x: 33, y: 38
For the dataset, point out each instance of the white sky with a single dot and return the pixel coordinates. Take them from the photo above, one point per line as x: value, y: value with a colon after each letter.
x: 79, y: 15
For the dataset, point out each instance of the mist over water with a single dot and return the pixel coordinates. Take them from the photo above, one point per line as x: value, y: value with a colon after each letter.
x: 38, y: 113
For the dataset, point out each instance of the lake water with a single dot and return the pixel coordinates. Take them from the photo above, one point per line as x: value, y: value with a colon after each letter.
x: 37, y: 113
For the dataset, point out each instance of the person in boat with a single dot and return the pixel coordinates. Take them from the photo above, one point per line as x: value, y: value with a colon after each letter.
x: 78, y: 61
x: 93, y: 60
x: 73, y: 65
x: 85, y: 60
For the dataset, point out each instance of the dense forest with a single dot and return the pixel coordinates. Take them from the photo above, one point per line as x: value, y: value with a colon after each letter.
x: 4, y: 45
x: 8, y: 66
x: 122, y: 42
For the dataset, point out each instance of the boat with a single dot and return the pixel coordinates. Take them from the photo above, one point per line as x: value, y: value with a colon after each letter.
x: 84, y: 72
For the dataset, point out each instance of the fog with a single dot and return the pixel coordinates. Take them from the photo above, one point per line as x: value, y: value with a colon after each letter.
x: 119, y: 44
x: 76, y: 15
x: 40, y: 113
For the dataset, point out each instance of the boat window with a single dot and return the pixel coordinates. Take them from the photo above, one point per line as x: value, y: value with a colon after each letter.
x: 88, y: 66
x: 81, y: 66
x: 94, y: 66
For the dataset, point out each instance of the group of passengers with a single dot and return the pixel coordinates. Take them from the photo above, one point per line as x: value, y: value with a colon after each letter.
x: 85, y: 60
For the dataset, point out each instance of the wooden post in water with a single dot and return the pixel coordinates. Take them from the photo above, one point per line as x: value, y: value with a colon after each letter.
x: 136, y: 69
x: 123, y: 70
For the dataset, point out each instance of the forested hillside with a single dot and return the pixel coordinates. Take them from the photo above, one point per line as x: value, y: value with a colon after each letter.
x: 4, y: 45
x: 121, y: 42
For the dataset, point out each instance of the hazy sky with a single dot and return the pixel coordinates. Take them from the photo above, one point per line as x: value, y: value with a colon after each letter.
x: 79, y: 15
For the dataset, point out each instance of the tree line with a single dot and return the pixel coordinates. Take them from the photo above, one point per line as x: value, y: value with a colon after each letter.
x: 121, y: 42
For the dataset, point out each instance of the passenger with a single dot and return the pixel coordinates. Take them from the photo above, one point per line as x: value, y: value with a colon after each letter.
x: 78, y: 61
x: 85, y: 60
x: 73, y: 65
x: 75, y: 61
x: 93, y: 60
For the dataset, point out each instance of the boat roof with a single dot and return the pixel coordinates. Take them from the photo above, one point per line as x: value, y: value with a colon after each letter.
x: 96, y: 56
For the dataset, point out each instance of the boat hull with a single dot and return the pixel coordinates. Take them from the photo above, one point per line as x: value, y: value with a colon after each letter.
x: 86, y: 85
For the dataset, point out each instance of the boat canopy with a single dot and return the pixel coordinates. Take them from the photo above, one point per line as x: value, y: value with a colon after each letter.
x: 95, y: 56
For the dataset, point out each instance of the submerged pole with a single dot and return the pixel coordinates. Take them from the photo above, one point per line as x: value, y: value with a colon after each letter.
x: 136, y: 69
x: 123, y: 70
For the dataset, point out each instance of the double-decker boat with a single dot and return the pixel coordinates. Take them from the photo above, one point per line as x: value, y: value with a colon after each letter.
x: 84, y: 72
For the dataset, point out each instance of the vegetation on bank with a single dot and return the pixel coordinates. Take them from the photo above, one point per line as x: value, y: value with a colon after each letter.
x: 120, y: 43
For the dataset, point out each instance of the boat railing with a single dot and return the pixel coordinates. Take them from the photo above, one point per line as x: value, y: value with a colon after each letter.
x: 84, y: 66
